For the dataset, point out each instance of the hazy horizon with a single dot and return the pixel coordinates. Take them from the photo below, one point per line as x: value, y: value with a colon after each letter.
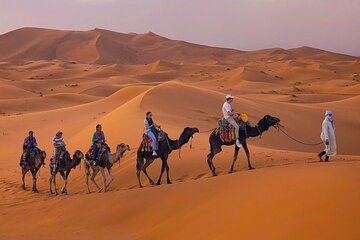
x: 330, y: 25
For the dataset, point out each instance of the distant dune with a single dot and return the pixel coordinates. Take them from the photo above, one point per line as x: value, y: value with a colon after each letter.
x: 105, y: 47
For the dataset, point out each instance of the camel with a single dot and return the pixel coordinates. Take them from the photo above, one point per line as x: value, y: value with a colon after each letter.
x: 106, y: 160
x: 65, y: 165
x: 216, y: 142
x: 33, y: 164
x: 166, y: 146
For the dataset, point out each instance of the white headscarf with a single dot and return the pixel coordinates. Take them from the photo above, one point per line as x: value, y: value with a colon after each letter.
x: 328, y: 116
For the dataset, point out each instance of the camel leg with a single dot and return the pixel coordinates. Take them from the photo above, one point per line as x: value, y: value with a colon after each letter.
x: 23, y: 178
x: 50, y: 181
x: 102, y: 171
x: 210, y: 158
x: 95, y: 172
x: 66, y: 180
x: 244, y: 144
x: 111, y: 177
x: 148, y: 162
x: 64, y: 175
x: 138, y: 170
x: 167, y: 172
x: 236, y: 152
x: 33, y: 172
x: 54, y: 182
x: 87, y: 174
x: 163, y: 166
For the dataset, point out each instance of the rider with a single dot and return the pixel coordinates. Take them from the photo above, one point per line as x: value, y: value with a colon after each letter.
x: 97, y: 139
x: 229, y: 114
x: 59, y: 145
x: 30, y: 145
x: 151, y: 131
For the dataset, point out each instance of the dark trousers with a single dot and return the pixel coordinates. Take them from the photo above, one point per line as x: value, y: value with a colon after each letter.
x: 322, y: 154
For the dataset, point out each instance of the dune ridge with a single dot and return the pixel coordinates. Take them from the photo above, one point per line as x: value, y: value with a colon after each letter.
x: 105, y: 47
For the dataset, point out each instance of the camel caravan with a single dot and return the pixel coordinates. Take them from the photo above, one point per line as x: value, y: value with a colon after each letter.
x: 234, y: 128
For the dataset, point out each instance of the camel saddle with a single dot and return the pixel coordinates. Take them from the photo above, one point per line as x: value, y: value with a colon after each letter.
x: 146, y: 144
x: 24, y: 161
x: 59, y: 157
x: 226, y: 131
x: 102, y: 149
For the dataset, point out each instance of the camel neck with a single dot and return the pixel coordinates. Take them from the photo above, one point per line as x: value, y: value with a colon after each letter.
x: 175, y: 144
x: 257, y: 130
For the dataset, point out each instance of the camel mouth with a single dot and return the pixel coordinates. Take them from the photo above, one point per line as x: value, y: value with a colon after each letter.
x: 276, y: 124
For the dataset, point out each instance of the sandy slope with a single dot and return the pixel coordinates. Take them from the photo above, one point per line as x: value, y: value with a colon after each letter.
x: 48, y: 84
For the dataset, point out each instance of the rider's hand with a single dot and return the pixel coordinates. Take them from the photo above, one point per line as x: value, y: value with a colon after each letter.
x: 327, y: 142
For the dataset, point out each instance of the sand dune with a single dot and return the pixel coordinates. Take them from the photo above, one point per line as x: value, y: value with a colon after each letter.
x: 36, y: 104
x: 54, y: 80
x: 104, y: 47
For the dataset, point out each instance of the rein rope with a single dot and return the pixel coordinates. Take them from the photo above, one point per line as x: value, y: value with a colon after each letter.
x: 296, y: 140
x: 205, y: 131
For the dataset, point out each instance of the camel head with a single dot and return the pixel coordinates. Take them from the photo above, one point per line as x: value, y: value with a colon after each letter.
x: 270, y: 121
x: 121, y: 149
x: 78, y: 155
x: 187, y: 134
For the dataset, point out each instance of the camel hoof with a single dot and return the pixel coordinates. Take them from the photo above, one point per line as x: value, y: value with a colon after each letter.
x: 169, y: 182
x: 100, y: 190
x: 231, y: 171
x: 23, y: 187
x: 158, y: 183
x: 141, y: 186
x: 153, y: 183
x: 251, y: 168
x: 214, y: 174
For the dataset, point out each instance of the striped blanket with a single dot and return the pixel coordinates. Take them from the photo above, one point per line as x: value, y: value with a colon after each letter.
x: 226, y: 131
x: 146, y: 144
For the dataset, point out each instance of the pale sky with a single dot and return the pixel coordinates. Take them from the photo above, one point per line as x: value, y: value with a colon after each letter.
x: 242, y: 24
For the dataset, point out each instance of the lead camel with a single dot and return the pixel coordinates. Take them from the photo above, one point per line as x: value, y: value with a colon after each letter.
x: 215, y: 141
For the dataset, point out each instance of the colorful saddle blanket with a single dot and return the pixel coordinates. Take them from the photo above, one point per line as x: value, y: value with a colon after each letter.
x: 227, y: 131
x: 102, y: 149
x: 147, y: 143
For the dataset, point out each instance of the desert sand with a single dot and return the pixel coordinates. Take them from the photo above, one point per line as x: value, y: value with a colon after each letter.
x: 54, y: 80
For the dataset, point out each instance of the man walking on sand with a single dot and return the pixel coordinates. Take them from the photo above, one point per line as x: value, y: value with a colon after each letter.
x: 229, y: 114
x: 328, y: 136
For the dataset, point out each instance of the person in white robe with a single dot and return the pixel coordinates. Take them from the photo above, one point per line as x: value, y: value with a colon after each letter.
x: 328, y: 137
